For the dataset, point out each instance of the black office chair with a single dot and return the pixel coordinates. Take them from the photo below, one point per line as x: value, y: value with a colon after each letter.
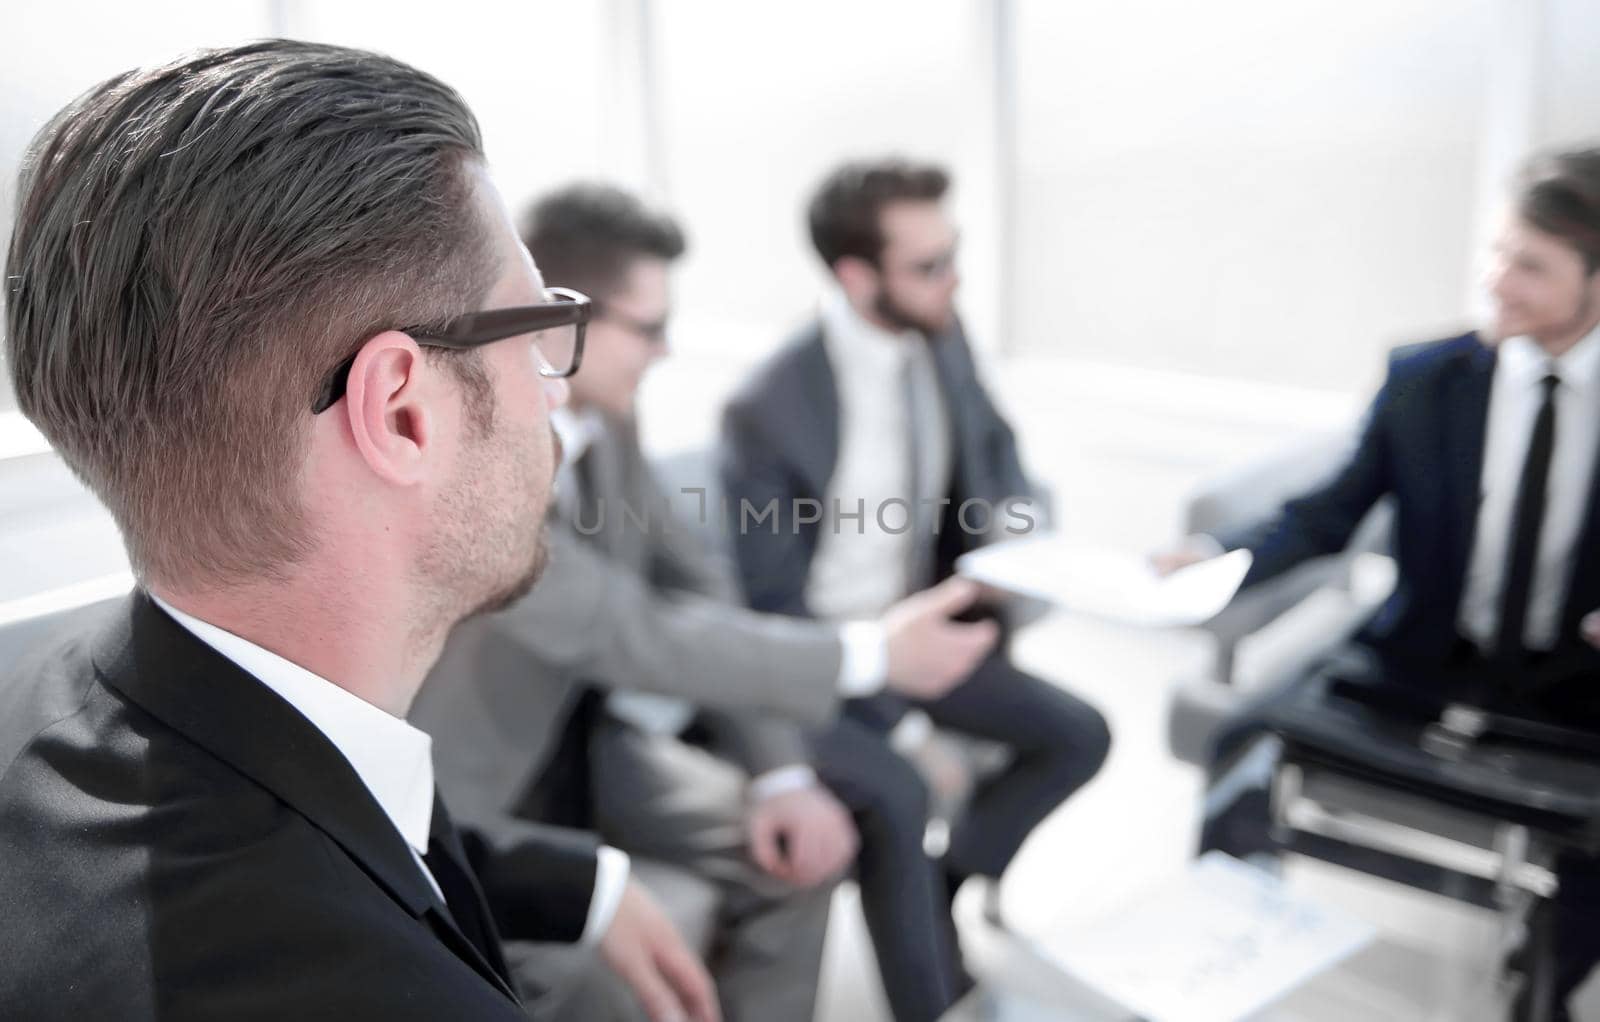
x: 1449, y: 798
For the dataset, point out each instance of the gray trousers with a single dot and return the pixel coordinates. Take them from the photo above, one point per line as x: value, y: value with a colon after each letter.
x: 659, y: 798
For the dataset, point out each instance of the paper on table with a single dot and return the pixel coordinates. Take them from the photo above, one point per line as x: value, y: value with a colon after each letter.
x: 1108, y: 583
x: 1218, y: 943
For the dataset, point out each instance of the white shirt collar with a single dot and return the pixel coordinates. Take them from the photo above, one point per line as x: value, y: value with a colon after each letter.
x: 393, y: 759
x: 1579, y: 368
x: 866, y: 348
x: 577, y: 430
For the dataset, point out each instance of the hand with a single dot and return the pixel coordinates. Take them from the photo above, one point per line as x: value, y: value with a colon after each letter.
x: 1589, y: 628
x: 802, y: 836
x: 929, y: 654
x: 1192, y: 550
x: 993, y: 596
x: 647, y: 953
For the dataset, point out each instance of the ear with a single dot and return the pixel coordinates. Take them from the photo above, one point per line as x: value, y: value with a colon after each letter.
x: 857, y: 276
x: 386, y: 405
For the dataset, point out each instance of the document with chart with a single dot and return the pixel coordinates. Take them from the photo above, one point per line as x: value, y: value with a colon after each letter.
x: 1218, y: 943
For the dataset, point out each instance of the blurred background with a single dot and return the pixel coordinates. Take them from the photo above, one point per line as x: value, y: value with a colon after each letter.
x: 1245, y: 190
x: 1190, y: 233
x: 1234, y: 206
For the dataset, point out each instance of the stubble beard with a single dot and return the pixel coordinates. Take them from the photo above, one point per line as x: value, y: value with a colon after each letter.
x: 493, y: 544
x: 897, y: 316
x: 507, y: 595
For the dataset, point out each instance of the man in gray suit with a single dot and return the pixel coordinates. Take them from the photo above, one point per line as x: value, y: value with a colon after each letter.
x: 872, y: 439
x: 709, y: 772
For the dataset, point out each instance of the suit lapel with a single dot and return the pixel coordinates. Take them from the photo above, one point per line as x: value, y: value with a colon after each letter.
x: 617, y: 488
x: 1583, y: 589
x: 444, y: 927
x: 1466, y: 420
x: 948, y: 349
x: 171, y: 674
x: 488, y: 960
x: 814, y: 408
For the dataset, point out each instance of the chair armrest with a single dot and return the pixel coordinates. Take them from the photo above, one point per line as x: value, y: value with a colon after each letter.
x: 1255, y: 491
x: 1257, y: 607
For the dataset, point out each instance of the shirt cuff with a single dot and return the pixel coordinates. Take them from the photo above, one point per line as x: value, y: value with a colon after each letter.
x: 1205, y: 545
x: 863, y: 659
x: 610, y: 881
x: 911, y: 732
x: 782, y: 781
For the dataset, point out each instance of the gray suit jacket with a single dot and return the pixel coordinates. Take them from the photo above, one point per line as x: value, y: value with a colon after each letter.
x: 780, y: 442
x: 624, y: 606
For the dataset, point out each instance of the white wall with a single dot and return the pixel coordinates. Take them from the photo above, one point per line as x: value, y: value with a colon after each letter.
x: 1569, y: 98
x: 1245, y: 189
x: 759, y: 101
x: 534, y: 72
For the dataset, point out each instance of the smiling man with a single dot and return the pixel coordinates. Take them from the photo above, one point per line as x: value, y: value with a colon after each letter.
x: 266, y: 302
x: 1487, y: 444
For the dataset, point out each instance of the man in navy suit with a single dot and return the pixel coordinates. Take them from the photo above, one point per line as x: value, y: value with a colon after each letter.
x: 1487, y: 444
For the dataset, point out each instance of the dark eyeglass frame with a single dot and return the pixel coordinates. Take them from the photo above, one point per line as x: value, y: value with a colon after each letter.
x: 935, y: 267
x: 941, y: 265
x: 475, y: 329
x: 653, y: 333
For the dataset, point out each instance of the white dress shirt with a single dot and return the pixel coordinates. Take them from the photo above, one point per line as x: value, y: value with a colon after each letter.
x: 860, y: 567
x: 864, y: 653
x: 1515, y: 397
x: 392, y: 758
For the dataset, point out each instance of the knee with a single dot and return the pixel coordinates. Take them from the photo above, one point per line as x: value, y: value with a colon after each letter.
x: 1081, y: 747
x: 897, y: 803
x: 1096, y: 742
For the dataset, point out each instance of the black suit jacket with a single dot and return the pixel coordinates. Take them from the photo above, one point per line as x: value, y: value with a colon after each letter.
x: 1422, y: 444
x: 177, y: 841
x: 780, y: 441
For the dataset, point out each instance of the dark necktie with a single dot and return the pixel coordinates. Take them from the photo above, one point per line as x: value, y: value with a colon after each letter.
x: 447, y: 862
x: 1526, y: 523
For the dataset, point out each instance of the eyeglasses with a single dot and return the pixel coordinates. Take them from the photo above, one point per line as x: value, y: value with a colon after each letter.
x: 936, y: 268
x: 933, y: 267
x: 559, y: 324
x: 653, y: 331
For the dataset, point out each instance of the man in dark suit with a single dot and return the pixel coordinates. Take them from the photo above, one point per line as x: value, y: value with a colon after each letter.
x: 267, y: 303
x: 1487, y: 445
x: 859, y: 463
